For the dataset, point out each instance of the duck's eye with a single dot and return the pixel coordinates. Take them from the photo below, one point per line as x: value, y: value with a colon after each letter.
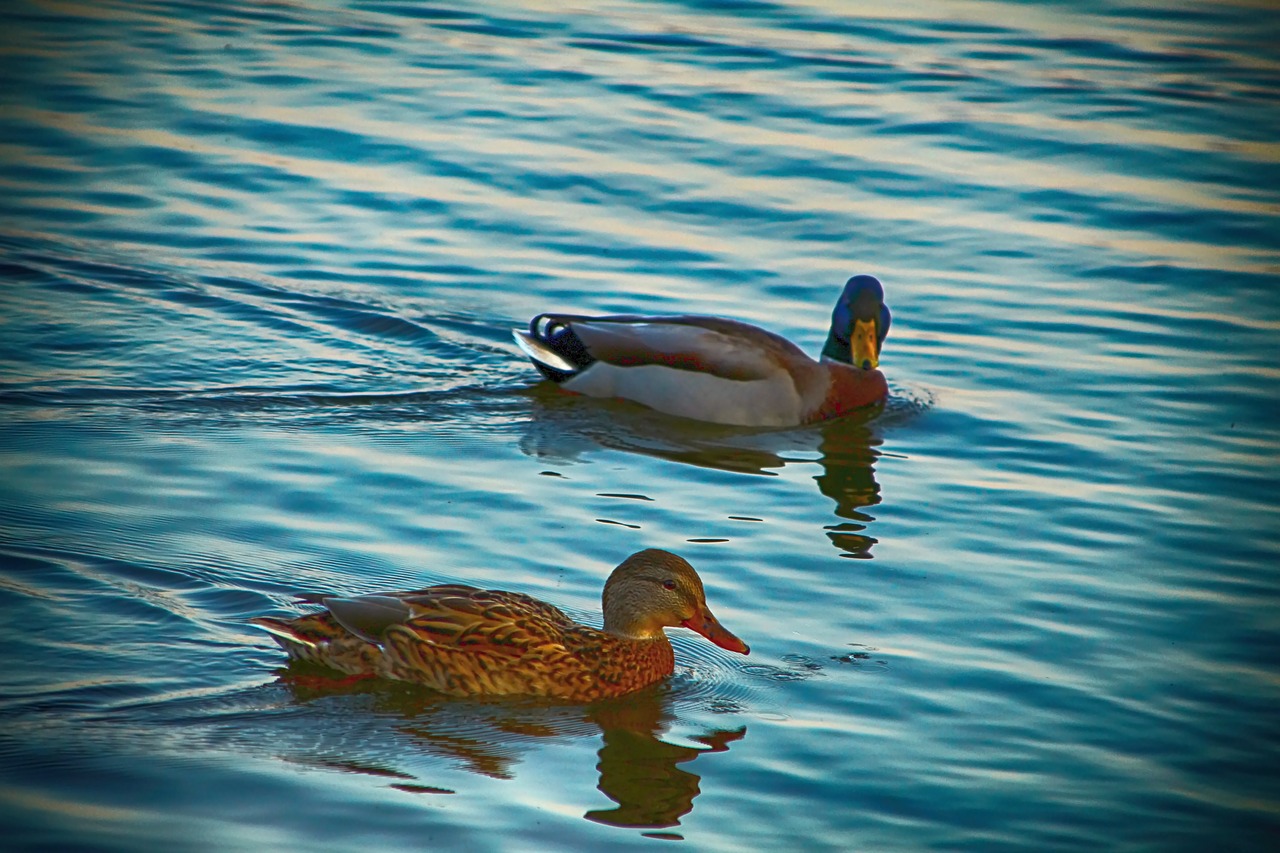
x: 668, y: 584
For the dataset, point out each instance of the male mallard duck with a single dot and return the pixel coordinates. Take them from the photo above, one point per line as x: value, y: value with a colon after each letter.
x: 713, y: 369
x: 471, y: 642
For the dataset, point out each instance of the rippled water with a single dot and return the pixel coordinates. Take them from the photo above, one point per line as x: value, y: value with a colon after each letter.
x: 260, y: 262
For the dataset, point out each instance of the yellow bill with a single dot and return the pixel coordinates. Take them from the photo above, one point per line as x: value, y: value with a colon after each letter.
x: 866, y: 346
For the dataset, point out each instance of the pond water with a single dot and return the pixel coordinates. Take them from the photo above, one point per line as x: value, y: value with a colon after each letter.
x: 260, y: 263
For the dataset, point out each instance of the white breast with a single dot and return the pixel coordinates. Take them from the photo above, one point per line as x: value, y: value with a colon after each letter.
x: 772, y: 401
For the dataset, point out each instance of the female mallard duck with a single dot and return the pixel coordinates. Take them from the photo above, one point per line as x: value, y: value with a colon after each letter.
x: 472, y: 642
x: 713, y: 369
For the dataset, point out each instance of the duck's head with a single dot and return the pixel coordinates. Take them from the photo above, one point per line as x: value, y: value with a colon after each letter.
x: 859, y: 324
x: 653, y: 589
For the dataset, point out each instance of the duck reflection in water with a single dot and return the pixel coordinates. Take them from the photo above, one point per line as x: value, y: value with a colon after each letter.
x: 849, y: 452
x: 565, y: 428
x: 641, y: 773
x: 648, y: 779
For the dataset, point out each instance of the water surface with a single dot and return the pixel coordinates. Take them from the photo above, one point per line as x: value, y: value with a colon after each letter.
x: 260, y: 263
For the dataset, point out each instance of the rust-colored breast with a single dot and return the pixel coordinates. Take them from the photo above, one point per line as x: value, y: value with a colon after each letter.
x: 850, y: 388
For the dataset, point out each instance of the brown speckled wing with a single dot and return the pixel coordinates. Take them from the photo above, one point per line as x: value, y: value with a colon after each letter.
x: 466, y: 642
x: 457, y: 615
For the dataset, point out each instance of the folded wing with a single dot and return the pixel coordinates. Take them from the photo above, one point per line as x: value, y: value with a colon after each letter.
x: 710, y: 345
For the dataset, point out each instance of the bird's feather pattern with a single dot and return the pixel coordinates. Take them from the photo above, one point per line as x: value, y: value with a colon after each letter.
x: 465, y: 641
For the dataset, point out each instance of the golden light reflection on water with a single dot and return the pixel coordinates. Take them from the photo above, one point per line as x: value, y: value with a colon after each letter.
x: 918, y: 156
x: 1047, y: 196
x: 42, y: 803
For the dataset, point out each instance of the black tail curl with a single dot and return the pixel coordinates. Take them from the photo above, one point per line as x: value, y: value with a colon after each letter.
x: 554, y: 331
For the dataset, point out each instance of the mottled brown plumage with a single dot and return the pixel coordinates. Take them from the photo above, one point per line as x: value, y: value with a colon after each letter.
x: 466, y: 641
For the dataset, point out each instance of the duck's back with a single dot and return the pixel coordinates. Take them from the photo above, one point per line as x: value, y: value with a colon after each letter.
x: 469, y: 642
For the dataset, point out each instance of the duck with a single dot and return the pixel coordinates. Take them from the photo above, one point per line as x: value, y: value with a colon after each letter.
x: 464, y: 641
x: 716, y: 369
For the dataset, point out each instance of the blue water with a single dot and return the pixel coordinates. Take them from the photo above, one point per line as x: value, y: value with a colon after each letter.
x: 259, y: 264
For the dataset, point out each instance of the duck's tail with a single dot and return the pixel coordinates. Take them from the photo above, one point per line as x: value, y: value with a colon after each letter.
x: 552, y: 346
x: 320, y: 639
x: 283, y: 632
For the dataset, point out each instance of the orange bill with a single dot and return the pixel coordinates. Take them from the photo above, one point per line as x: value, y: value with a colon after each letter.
x: 709, y: 626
